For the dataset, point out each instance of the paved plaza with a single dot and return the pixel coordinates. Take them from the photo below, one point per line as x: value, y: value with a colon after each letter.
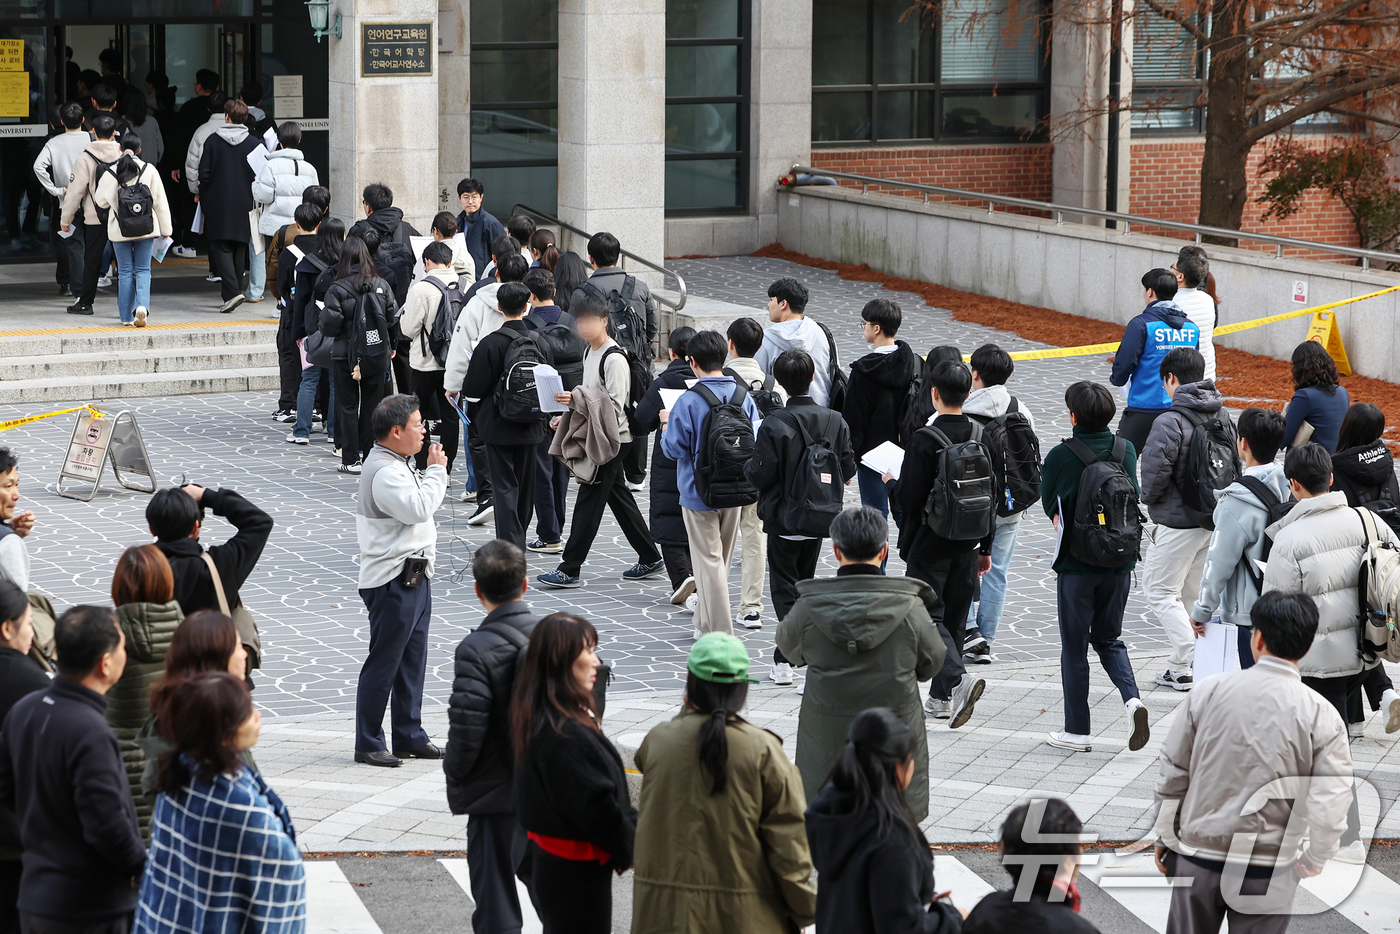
x: 314, y: 627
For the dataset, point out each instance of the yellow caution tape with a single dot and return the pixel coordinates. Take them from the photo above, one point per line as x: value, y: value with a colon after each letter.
x: 1089, y: 349
x: 16, y: 422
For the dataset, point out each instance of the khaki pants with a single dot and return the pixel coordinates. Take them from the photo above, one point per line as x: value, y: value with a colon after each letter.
x: 1171, y: 579
x: 753, y: 561
x: 712, y: 537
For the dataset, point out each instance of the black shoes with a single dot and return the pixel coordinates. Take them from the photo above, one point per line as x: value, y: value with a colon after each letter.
x: 425, y: 751
x: 379, y: 757
x: 79, y: 308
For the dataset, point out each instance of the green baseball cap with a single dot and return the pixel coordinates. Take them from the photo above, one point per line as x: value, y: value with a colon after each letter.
x: 721, y: 658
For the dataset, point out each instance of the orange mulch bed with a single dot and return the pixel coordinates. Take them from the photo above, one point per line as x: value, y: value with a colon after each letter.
x: 1252, y: 379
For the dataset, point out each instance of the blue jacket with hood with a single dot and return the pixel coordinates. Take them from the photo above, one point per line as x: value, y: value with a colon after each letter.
x: 1161, y: 327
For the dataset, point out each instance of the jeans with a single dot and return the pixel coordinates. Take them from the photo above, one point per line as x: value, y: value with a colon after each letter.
x: 874, y: 494
x: 133, y: 276
x: 306, y: 402
x: 987, y: 615
x: 257, y: 273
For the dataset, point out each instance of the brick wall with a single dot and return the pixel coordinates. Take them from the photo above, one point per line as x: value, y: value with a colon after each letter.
x: 1017, y: 171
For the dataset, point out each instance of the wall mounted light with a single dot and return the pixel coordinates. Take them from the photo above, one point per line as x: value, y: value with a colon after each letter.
x: 321, y: 23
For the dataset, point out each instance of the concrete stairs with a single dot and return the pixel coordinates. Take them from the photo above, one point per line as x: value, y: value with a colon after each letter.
x: 91, y: 364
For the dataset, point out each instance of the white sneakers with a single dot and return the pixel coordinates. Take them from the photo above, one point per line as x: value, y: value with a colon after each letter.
x: 681, y: 594
x: 1137, y: 722
x: 938, y: 709
x: 751, y: 621
x: 691, y: 602
x: 965, y: 696
x: 634, y: 487
x: 142, y: 312
x: 1390, y: 709
x: 1076, y: 742
x: 780, y: 673
x: 1353, y: 853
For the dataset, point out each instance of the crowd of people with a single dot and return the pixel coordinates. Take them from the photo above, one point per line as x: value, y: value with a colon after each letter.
x: 757, y: 434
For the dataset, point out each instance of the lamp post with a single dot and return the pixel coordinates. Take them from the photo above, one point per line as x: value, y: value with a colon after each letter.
x: 321, y: 23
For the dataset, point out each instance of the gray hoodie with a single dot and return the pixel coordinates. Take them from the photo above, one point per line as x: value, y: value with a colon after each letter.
x: 992, y: 402
x: 804, y: 334
x: 1163, y: 457
x: 1226, y: 583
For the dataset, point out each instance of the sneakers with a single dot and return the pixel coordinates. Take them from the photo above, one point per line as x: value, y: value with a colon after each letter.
x: 349, y: 468
x: 559, y: 580
x: 1356, y: 731
x: 640, y: 572
x: 978, y: 651
x: 79, y: 308
x: 691, y: 602
x: 1072, y: 741
x: 104, y: 282
x: 483, y: 514
x: 1176, y: 680
x: 1390, y: 708
x: 142, y: 313
x: 213, y: 278
x: 696, y: 634
x: 335, y: 451
x: 185, y: 252
x: 285, y: 416
x: 232, y: 303
x: 802, y: 688
x: 297, y: 439
x: 965, y: 696
x: 63, y: 289
x: 938, y: 709
x: 680, y: 595
x: 780, y: 673
x: 751, y: 621
x: 1137, y: 720
x: 634, y: 487
x: 1353, y: 853
x: 544, y: 547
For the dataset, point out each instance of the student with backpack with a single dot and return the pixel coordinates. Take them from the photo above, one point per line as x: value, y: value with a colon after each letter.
x: 1162, y: 326
x: 312, y: 273
x: 1189, y: 456
x: 567, y: 348
x: 1089, y: 490
x: 1233, y: 574
x: 710, y: 435
x: 787, y: 307
x: 877, y: 392
x: 608, y: 367
x: 802, y: 461
x: 434, y: 303
x: 505, y: 407
x: 946, y: 538
x: 359, y: 318
x: 88, y: 169
x: 283, y: 254
x: 1016, y: 448
x: 137, y: 216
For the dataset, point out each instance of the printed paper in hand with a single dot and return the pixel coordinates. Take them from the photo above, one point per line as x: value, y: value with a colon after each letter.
x: 669, y: 397
x: 72, y: 229
x: 418, y: 245
x: 1059, y: 530
x: 1216, y: 651
x: 256, y: 160
x: 547, y: 384
x: 197, y: 225
x: 888, y: 457
x: 270, y: 138
x: 160, y: 248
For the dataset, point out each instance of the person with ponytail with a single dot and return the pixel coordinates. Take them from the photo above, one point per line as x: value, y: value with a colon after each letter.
x: 543, y: 250
x: 727, y: 789
x: 875, y: 867
x: 133, y: 252
x: 570, y: 785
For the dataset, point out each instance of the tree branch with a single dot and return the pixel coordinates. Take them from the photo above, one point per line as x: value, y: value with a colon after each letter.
x: 1297, y: 86
x: 1360, y: 115
x: 1322, y: 102
x: 1305, y: 23
x: 1176, y: 16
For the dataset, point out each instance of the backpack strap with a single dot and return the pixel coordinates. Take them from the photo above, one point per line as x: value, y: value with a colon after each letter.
x: 590, y: 289
x: 1260, y: 489
x: 707, y: 394
x: 1086, y: 454
x: 939, y: 437
x: 768, y: 382
x: 629, y: 288
x: 536, y: 320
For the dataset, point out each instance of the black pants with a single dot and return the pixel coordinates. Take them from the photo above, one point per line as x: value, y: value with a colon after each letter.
x: 634, y: 467
x: 476, y: 450
x: 495, y: 852
x: 788, y: 563
x: 10, y: 870
x: 609, y: 492
x: 427, y: 386
x: 395, y: 666
x: 1136, y: 424
x: 403, y: 374
x: 1091, y: 614
x: 574, y: 897
x: 229, y: 257
x: 288, y: 361
x: 94, y: 245
x: 678, y: 566
x: 1344, y: 694
x: 355, y: 400
x: 954, y: 583
x: 551, y: 491
x: 1375, y: 682
x: 38, y: 924
x: 512, y: 467
x: 61, y: 268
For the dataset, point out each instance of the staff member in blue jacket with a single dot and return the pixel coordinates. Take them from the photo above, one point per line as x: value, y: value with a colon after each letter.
x: 1161, y: 327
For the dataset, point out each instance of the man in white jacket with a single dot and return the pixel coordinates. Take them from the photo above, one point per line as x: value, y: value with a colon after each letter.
x: 54, y: 169
x: 787, y: 302
x: 398, y: 545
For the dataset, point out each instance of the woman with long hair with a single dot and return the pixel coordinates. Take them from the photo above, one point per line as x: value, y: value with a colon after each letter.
x: 136, y: 109
x: 873, y: 861
x: 359, y: 386
x: 1319, y: 402
x: 728, y: 790
x: 143, y: 591
x: 570, y: 786
x: 570, y: 272
x: 542, y: 248
x: 133, y: 235
x: 19, y: 675
x: 223, y: 853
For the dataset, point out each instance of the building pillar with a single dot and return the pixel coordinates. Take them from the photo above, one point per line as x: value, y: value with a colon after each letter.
x: 383, y: 128
x: 612, y: 121
x: 781, y: 104
x: 454, y: 100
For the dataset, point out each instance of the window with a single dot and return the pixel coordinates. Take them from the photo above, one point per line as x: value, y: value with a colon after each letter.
x: 515, y: 103
x: 888, y: 71
x: 707, y: 112
x: 1168, y: 76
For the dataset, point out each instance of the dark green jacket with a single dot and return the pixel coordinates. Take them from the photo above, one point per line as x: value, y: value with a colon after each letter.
x: 1059, y: 483
x: 149, y: 627
x: 868, y: 640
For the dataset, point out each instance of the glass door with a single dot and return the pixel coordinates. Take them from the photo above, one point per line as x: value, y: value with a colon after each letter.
x: 24, y: 104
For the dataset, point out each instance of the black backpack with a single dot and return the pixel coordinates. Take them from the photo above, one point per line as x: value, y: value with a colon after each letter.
x: 100, y: 169
x: 1276, y: 509
x: 565, y: 344
x: 836, y: 399
x: 1107, y: 529
x: 763, y: 394
x: 135, y: 209
x: 639, y: 376
x: 437, y: 337
x: 401, y: 260
x: 961, y: 506
x: 817, y: 492
x: 1383, y: 506
x: 627, y: 317
x: 1212, y: 463
x: 726, y: 446
x: 1015, y: 459
x: 371, y: 341
x: 516, y: 397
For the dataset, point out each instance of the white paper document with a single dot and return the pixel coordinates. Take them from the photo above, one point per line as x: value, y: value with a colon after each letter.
x: 65, y: 234
x: 256, y: 160
x: 547, y: 384
x: 669, y: 397
x: 270, y: 138
x: 1216, y: 651
x: 197, y: 225
x: 1059, y: 529
x: 887, y: 458
x: 160, y: 248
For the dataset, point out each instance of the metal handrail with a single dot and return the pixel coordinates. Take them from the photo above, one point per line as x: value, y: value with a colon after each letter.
x: 680, y: 282
x: 1125, y: 220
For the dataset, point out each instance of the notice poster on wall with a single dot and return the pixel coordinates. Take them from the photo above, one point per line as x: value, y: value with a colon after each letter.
x: 14, y: 93
x: 11, y: 55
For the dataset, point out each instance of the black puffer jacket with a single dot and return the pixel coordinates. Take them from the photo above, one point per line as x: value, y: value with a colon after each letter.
x: 1366, y: 473
x: 667, y: 526
x: 875, y: 396
x: 19, y: 675
x: 340, y: 307
x: 479, y: 761
x: 395, y: 249
x: 778, y: 450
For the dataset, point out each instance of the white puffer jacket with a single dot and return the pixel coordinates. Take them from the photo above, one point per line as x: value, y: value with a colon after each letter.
x: 1317, y: 550
x: 278, y: 188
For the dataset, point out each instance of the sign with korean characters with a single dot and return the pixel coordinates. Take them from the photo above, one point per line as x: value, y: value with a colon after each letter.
x: 11, y: 55
x: 394, y: 49
x: 99, y: 437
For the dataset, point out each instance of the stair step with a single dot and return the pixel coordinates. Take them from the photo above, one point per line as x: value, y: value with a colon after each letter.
x: 127, y: 386
x: 96, y: 340
x: 117, y: 362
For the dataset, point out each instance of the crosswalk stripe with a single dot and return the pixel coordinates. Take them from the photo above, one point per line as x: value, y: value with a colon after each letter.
x: 332, y: 904
x: 457, y: 869
x: 967, y: 887
x: 1133, y: 882
x: 1372, y: 903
